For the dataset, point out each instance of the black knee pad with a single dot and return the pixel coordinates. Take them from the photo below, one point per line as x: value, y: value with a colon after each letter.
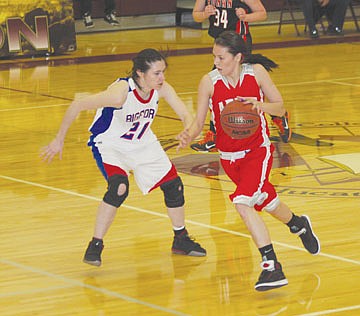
x: 173, y: 193
x: 111, y: 196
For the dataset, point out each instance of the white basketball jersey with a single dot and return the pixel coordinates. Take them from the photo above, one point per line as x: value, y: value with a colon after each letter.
x: 127, y: 127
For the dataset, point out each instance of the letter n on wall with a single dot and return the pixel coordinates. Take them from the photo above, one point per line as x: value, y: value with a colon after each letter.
x: 19, y: 32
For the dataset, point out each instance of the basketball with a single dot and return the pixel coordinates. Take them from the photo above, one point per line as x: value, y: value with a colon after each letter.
x: 238, y: 120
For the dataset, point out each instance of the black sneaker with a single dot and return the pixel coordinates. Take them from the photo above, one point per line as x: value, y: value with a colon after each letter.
x: 93, y: 253
x: 271, y: 277
x: 308, y: 238
x: 88, y: 21
x: 334, y: 30
x: 314, y: 33
x: 185, y: 245
x: 111, y: 19
x: 207, y: 144
x: 283, y: 126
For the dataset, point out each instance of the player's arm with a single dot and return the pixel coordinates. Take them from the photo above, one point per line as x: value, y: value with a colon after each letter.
x: 274, y: 104
x: 114, y: 96
x: 323, y: 3
x: 204, y: 94
x: 258, y: 11
x: 169, y: 94
x: 201, y: 11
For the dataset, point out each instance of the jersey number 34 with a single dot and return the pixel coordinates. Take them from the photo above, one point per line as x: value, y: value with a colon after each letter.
x: 221, y: 18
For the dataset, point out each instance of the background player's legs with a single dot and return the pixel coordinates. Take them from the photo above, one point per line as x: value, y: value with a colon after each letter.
x: 207, y: 143
x: 86, y: 8
x: 282, y: 124
x: 335, y: 13
x: 110, y: 15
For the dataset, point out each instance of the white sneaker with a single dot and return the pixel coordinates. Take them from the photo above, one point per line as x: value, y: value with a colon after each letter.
x: 88, y: 21
x: 111, y: 19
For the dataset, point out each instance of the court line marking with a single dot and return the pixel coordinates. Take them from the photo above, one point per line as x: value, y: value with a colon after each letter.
x: 91, y: 287
x: 141, y: 210
x: 332, y: 311
x: 335, y: 81
x: 34, y: 107
x: 133, y: 300
x: 33, y: 291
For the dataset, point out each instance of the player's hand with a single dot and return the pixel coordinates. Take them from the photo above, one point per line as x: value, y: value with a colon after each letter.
x: 184, y: 139
x: 48, y: 152
x: 256, y: 105
x: 240, y: 13
x: 209, y: 10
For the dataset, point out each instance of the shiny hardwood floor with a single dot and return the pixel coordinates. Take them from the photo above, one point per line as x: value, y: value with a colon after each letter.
x: 47, y: 211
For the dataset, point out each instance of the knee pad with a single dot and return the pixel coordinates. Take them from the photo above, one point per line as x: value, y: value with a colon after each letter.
x: 173, y: 193
x: 111, y: 196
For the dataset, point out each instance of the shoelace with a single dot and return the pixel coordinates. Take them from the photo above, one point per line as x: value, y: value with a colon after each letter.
x: 188, y: 238
x: 301, y: 231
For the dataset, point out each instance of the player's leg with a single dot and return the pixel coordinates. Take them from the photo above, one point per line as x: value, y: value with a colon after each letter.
x: 299, y: 225
x: 272, y: 275
x: 282, y: 124
x: 248, y: 173
x: 207, y: 143
x: 153, y: 169
x: 86, y: 8
x: 174, y: 200
x: 309, y: 14
x: 110, y: 15
x: 335, y: 13
x: 117, y: 191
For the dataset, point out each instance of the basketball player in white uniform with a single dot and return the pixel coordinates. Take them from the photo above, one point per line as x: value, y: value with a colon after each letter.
x: 122, y: 140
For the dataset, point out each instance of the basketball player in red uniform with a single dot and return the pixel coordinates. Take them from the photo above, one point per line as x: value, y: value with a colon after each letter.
x: 247, y: 162
x: 233, y: 15
x: 122, y: 141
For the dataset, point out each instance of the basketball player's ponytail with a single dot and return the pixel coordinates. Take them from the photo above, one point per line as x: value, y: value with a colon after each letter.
x: 235, y: 44
x: 267, y: 63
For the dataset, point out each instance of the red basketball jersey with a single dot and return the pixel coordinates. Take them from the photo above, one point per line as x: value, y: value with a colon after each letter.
x: 225, y: 93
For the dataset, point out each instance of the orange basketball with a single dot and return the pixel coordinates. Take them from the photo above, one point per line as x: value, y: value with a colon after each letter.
x: 238, y: 120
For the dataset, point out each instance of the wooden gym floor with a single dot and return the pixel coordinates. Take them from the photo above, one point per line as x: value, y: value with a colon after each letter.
x: 48, y: 211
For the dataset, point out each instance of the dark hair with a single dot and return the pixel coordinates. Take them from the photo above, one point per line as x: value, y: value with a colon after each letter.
x: 143, y: 60
x: 235, y: 44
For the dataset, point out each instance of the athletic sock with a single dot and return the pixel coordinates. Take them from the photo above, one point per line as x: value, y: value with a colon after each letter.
x: 295, y: 224
x: 179, y: 230
x: 96, y: 240
x: 268, y: 253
